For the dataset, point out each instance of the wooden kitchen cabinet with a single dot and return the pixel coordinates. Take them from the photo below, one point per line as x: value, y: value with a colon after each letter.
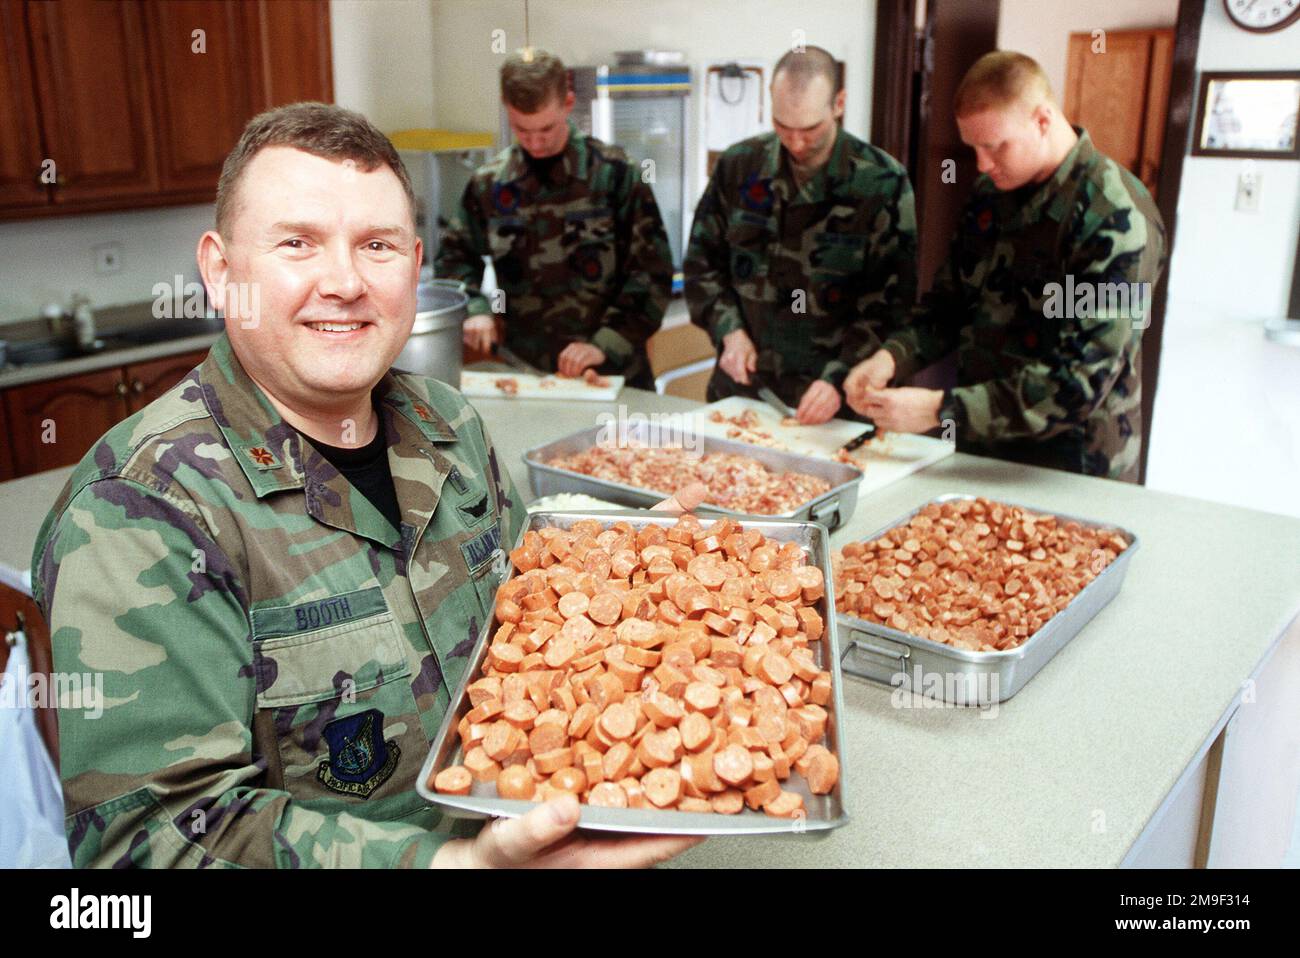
x: 79, y: 409
x: 201, y: 78
x: 6, y: 447
x: 20, y: 147
x: 294, y: 48
x: 147, y: 381
x: 255, y: 56
x: 1121, y: 96
x: 93, y: 99
x: 133, y: 105
x: 73, y: 412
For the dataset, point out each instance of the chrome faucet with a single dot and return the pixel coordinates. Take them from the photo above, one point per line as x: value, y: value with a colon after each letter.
x: 75, y: 324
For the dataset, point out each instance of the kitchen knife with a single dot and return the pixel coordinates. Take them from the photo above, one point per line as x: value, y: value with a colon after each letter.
x: 513, y: 361
x: 768, y: 396
x: 773, y: 400
x: 858, y: 440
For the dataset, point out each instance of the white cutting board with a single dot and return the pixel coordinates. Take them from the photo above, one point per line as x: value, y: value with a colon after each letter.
x: 884, y: 460
x: 483, y: 385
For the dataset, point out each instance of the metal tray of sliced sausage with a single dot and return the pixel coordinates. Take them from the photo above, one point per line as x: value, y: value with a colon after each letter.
x: 832, y: 505
x: 965, y: 676
x: 620, y: 709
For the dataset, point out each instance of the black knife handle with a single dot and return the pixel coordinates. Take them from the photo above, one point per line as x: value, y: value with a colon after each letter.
x: 857, y: 441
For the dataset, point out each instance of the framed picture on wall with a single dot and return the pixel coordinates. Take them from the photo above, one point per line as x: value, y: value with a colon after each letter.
x: 1253, y: 115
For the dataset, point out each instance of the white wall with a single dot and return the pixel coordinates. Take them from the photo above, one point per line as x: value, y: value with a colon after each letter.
x: 1224, y: 426
x: 383, y: 60
x: 383, y: 66
x: 410, y: 63
x: 1042, y: 28
x: 49, y: 260
x: 584, y: 32
x: 1236, y: 265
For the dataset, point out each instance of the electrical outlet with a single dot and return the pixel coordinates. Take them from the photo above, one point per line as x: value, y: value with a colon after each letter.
x: 1248, y: 183
x: 108, y: 258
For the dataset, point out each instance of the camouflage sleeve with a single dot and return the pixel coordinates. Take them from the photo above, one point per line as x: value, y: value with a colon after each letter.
x: 162, y: 770
x: 889, y: 281
x: 713, y: 303
x: 463, y: 246
x: 930, y: 330
x: 637, y: 307
x: 1046, y: 398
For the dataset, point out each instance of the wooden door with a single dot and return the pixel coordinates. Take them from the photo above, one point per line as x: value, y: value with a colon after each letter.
x: 1153, y: 132
x: 94, y: 98
x: 1120, y: 95
x: 54, y: 423
x: 912, y: 115
x: 147, y: 381
x: 20, y: 142
x: 957, y: 33
x: 294, y: 48
x: 1106, y: 92
x: 201, y: 66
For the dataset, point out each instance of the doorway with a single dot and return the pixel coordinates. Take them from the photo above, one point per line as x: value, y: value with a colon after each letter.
x: 924, y: 47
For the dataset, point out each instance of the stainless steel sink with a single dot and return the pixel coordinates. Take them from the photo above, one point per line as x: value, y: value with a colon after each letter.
x: 41, y: 351
x: 53, y: 350
x: 163, y: 331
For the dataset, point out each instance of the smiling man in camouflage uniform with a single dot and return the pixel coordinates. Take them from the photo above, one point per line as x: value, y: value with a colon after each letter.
x: 281, y: 566
x: 803, y: 251
x: 1044, y: 295
x: 574, y: 234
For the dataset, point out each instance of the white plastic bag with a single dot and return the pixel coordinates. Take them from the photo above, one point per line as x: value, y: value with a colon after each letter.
x: 31, y: 798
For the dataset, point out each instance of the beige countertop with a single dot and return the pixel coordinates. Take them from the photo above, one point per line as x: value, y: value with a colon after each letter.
x: 1070, y: 770
x: 1066, y: 773
x: 24, y: 504
x: 39, y: 372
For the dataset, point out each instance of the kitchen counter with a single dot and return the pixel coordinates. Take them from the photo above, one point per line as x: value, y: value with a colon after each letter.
x: 190, y: 331
x: 1082, y: 766
x: 1070, y: 771
x: 105, y: 359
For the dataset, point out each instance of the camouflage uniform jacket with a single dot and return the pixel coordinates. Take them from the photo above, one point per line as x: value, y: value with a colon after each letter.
x: 1035, y: 386
x: 816, y: 276
x: 276, y: 658
x: 581, y: 258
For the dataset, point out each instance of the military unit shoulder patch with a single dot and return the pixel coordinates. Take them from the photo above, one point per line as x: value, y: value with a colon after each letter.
x: 756, y: 193
x: 360, y: 760
x: 505, y: 197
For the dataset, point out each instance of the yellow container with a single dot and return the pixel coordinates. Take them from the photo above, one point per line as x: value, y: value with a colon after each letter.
x: 437, y: 140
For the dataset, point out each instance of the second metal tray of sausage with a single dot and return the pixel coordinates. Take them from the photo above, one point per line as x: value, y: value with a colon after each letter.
x: 886, y: 655
x: 832, y: 508
x: 824, y: 812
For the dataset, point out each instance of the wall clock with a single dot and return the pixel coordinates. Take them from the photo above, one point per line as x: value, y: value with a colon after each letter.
x: 1262, y: 16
